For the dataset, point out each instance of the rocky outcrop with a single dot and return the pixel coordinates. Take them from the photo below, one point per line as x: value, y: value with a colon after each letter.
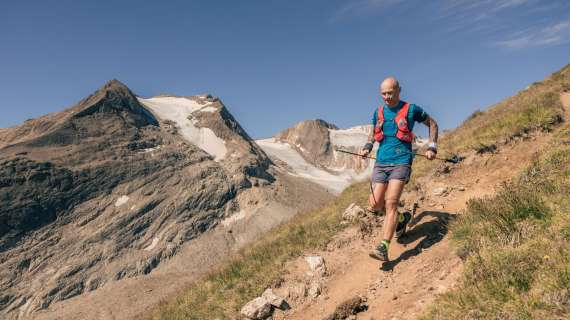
x: 317, y: 142
x: 311, y: 138
x: 263, y: 307
x: 309, y: 150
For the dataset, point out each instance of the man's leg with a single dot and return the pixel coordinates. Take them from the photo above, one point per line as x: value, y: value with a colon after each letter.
x: 392, y: 196
x: 376, y: 198
x: 393, y: 193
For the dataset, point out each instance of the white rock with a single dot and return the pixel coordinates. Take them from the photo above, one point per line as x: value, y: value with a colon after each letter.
x: 258, y: 308
x: 352, y: 212
x: 121, y: 201
x: 439, y: 191
x: 273, y: 299
x: 315, y: 289
x: 317, y: 265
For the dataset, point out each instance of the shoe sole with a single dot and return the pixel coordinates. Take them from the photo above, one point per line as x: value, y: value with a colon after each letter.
x: 377, y: 257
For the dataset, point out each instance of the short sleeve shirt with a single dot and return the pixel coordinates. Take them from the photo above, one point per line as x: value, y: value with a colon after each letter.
x: 393, y: 151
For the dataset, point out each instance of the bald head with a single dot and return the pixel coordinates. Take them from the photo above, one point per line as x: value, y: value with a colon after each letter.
x: 390, y: 82
x: 390, y: 91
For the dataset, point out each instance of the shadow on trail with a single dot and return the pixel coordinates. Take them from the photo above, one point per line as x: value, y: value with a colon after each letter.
x: 432, y: 232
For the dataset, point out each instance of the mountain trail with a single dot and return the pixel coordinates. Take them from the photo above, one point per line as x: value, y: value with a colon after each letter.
x: 424, y: 263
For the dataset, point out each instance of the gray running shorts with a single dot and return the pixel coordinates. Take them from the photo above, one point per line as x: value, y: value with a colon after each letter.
x: 385, y: 172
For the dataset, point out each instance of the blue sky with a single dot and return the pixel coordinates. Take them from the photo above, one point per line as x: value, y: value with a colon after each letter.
x: 277, y: 62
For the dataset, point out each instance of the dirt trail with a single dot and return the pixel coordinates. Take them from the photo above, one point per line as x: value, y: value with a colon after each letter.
x: 424, y: 264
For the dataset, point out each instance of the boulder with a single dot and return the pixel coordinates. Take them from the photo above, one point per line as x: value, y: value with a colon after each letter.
x: 315, y: 289
x: 317, y: 265
x: 352, y: 212
x: 258, y: 308
x: 274, y: 299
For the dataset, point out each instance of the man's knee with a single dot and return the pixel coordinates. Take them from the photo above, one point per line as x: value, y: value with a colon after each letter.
x: 391, y: 204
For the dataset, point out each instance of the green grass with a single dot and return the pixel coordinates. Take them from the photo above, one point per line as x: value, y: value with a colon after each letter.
x: 225, y: 291
x: 516, y: 247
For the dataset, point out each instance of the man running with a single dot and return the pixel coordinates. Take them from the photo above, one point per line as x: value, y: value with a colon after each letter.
x: 393, y: 123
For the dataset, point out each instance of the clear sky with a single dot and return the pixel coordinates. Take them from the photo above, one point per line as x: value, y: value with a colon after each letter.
x: 277, y: 62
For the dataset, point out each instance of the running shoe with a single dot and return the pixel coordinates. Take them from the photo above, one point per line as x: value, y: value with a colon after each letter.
x: 380, y: 252
x: 403, y: 221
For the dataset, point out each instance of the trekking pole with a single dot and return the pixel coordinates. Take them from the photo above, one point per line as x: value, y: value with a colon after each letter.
x: 356, y: 154
x: 454, y: 159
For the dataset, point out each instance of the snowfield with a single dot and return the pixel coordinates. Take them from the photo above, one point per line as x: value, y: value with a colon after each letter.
x: 180, y: 110
x: 351, y: 137
x: 301, y: 168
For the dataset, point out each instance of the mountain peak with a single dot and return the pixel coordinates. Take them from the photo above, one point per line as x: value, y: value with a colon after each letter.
x: 115, y: 97
x: 115, y: 85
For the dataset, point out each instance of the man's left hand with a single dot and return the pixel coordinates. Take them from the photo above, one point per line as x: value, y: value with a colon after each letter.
x: 430, y: 155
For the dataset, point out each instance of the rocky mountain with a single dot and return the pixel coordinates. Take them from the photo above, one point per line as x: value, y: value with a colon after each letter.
x: 309, y: 150
x: 117, y: 185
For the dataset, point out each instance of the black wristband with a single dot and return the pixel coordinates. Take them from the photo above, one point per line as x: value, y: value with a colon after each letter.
x: 368, y: 146
x: 434, y: 150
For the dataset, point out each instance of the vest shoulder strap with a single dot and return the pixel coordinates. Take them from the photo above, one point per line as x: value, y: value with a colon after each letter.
x: 380, y: 116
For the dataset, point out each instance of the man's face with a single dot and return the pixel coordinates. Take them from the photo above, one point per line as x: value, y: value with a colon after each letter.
x: 390, y: 93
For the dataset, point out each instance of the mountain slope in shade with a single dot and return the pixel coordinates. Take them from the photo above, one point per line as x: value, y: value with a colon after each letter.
x: 112, y: 188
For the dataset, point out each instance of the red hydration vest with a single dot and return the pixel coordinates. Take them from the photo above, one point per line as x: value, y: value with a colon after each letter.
x: 401, y: 120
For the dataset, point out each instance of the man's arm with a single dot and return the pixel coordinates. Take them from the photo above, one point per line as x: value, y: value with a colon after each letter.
x: 433, y: 135
x: 371, y: 137
x: 433, y: 129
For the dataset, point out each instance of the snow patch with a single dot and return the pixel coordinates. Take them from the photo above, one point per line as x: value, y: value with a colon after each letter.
x: 208, y: 109
x: 179, y: 110
x: 121, y: 201
x: 301, y: 168
x: 352, y: 137
x: 153, y: 244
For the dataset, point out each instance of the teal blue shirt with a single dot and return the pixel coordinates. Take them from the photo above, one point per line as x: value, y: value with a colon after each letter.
x: 393, y: 150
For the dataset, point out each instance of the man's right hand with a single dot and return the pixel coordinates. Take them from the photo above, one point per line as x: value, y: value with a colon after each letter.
x: 366, y: 150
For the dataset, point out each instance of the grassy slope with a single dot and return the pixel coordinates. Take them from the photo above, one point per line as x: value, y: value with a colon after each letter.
x: 516, y: 246
x: 254, y: 268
